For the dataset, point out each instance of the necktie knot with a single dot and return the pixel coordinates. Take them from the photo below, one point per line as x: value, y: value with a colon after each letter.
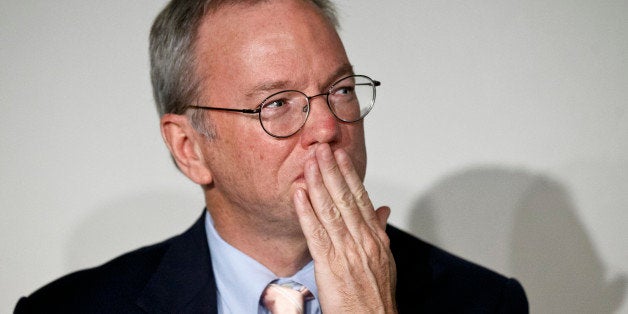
x: 285, y: 298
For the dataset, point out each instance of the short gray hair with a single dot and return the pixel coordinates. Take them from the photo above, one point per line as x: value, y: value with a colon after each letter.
x: 173, y: 60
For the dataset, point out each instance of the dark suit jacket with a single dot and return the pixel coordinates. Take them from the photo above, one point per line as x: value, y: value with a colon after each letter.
x: 175, y: 276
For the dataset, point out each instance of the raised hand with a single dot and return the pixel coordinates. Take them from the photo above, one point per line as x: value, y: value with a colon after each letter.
x: 354, y: 267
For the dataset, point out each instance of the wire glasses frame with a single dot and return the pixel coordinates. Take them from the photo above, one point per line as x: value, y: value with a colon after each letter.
x: 284, y: 113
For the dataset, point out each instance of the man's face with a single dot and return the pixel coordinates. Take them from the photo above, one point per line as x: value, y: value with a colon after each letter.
x: 245, y: 53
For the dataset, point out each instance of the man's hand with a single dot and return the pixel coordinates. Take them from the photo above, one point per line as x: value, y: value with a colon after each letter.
x: 355, y: 270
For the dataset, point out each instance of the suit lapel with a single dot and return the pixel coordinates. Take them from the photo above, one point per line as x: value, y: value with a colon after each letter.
x: 184, y: 281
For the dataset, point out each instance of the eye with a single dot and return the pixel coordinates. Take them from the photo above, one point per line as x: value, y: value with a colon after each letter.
x: 277, y: 106
x: 343, y: 90
x: 276, y: 103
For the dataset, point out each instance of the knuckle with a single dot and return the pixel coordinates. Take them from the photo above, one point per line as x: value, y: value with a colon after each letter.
x: 319, y: 237
x: 345, y: 200
x: 377, y: 249
x: 333, y: 167
x: 351, y: 260
x: 329, y: 213
x: 341, y: 264
x: 384, y: 239
x: 371, y: 247
x: 362, y: 197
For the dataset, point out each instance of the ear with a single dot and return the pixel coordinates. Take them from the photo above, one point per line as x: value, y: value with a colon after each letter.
x: 184, y: 144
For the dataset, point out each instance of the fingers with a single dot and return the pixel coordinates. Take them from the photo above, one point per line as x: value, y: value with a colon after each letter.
x: 315, y: 234
x: 382, y: 214
x: 339, y: 199
x: 345, y: 189
x: 358, y: 191
x: 345, y: 235
x: 331, y: 195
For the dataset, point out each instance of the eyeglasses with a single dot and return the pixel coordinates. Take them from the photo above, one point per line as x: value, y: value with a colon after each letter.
x: 284, y: 113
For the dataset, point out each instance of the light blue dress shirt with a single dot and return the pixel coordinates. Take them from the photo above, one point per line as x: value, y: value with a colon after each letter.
x: 241, y: 280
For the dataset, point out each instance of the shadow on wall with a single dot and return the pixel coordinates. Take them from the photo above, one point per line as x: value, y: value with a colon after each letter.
x: 128, y: 223
x: 524, y: 225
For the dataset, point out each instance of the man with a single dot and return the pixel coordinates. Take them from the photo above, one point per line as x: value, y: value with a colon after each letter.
x: 260, y: 107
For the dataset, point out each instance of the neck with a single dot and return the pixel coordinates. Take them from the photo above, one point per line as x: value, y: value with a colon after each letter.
x: 279, y: 245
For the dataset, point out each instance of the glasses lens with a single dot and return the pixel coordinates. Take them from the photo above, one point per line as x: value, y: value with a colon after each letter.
x: 352, y: 98
x: 282, y: 114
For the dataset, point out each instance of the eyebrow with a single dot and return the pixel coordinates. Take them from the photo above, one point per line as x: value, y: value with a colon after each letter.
x: 268, y: 86
x: 343, y: 70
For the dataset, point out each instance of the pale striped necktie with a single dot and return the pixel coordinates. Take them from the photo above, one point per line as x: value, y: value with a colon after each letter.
x: 285, y: 298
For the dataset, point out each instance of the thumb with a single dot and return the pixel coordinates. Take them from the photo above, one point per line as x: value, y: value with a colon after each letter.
x: 382, y: 214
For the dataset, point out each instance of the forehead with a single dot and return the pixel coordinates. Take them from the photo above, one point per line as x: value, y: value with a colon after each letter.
x: 280, y: 40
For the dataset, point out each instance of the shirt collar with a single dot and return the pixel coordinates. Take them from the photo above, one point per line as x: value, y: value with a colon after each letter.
x: 240, y: 279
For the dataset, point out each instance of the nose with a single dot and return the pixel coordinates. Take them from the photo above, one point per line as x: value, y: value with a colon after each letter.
x: 321, y: 125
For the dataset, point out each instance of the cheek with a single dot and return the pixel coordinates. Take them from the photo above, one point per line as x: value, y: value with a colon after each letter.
x: 359, y: 162
x: 259, y: 155
x: 356, y: 148
x: 268, y: 154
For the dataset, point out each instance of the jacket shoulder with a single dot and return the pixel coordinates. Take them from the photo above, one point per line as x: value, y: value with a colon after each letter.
x: 111, y: 287
x: 430, y: 279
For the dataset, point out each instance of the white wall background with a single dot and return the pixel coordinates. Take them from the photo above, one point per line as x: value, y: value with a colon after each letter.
x: 500, y: 133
